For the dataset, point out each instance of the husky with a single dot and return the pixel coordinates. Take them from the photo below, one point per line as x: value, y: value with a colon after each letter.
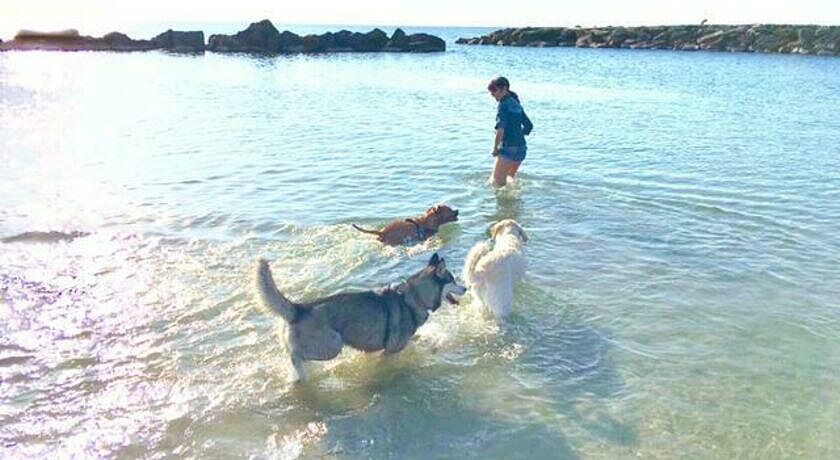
x: 493, y: 268
x: 382, y: 319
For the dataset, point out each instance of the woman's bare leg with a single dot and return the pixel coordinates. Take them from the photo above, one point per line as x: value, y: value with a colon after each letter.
x: 500, y: 169
x: 513, y: 167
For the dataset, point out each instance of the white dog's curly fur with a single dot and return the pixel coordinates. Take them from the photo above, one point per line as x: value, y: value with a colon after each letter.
x: 494, y: 267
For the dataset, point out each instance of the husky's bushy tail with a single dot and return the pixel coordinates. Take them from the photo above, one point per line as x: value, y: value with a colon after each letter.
x: 270, y: 296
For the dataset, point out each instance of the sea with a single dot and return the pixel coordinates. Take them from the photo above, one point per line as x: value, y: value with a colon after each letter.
x: 682, y: 296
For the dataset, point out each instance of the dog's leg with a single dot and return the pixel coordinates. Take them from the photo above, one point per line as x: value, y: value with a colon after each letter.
x: 499, y: 296
x: 299, y: 374
x: 292, y: 346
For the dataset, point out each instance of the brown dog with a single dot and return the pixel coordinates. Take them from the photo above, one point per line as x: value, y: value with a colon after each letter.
x: 418, y: 228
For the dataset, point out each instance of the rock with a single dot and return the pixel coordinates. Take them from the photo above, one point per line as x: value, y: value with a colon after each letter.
x: 346, y: 41
x: 711, y: 37
x: 414, y: 43
x: 259, y: 37
x: 398, y: 41
x: 262, y: 37
x: 71, y: 40
x: 617, y: 37
x: 118, y: 38
x: 824, y: 40
x: 290, y: 42
x: 584, y: 41
x: 68, y: 34
x: 375, y: 40
x: 316, y: 43
x: 425, y: 43
x: 341, y: 41
x: 180, y: 42
x: 116, y: 41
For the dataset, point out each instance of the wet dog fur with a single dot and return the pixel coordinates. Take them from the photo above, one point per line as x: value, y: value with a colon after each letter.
x: 493, y: 267
x: 383, y: 319
x: 414, y: 229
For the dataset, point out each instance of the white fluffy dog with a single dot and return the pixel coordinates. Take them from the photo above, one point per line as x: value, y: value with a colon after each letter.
x: 494, y: 267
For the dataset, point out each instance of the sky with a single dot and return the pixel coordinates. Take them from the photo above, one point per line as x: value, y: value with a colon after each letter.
x: 95, y: 17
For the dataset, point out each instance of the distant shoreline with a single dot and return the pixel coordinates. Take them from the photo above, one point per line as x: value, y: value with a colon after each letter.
x: 260, y: 37
x: 759, y: 38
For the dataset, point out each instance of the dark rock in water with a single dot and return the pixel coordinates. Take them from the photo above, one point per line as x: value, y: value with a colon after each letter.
x: 65, y: 40
x: 414, y: 43
x: 317, y: 43
x: 398, y: 41
x: 259, y: 37
x: 116, y: 38
x: 342, y: 41
x: 71, y: 40
x: 375, y: 40
x: 62, y: 35
x: 819, y: 40
x: 180, y: 42
x: 424, y: 43
x: 290, y: 42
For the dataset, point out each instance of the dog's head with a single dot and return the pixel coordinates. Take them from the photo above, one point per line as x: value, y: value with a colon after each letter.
x: 508, y: 226
x: 449, y: 287
x: 441, y: 214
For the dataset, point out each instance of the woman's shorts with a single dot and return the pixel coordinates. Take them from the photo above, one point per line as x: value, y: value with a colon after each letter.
x: 513, y: 153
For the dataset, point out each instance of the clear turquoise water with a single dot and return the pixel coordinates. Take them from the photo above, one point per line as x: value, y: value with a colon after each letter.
x: 681, y: 298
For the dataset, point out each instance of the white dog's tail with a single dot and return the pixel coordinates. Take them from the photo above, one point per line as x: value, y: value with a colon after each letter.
x: 270, y: 296
x: 476, y: 253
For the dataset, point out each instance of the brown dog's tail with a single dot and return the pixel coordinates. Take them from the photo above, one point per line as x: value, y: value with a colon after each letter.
x: 372, y: 232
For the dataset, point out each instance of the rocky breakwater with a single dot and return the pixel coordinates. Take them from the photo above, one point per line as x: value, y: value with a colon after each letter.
x: 809, y: 39
x: 263, y: 37
x: 70, y: 40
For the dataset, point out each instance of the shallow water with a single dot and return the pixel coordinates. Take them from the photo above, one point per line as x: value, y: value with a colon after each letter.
x: 681, y: 298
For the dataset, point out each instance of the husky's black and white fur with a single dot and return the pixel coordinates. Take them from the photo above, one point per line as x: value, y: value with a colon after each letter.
x: 383, y: 319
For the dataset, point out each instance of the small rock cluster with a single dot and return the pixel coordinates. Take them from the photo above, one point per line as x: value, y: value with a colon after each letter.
x: 259, y: 37
x: 818, y: 40
x: 263, y: 37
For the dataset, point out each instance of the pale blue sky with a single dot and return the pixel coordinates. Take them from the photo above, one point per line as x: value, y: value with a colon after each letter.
x: 99, y: 16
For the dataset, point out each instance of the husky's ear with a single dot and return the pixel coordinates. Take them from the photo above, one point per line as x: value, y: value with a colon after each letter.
x: 434, y: 260
x: 440, y: 268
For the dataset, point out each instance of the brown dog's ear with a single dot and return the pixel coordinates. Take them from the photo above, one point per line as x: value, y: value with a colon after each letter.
x: 434, y: 260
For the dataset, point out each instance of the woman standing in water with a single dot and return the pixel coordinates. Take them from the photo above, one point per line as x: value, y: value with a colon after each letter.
x: 512, y: 125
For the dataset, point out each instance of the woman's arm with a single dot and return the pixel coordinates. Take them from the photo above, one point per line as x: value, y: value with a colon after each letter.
x: 500, y: 134
x: 527, y: 126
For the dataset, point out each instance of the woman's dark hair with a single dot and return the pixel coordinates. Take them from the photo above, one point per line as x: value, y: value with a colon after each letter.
x: 501, y: 82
